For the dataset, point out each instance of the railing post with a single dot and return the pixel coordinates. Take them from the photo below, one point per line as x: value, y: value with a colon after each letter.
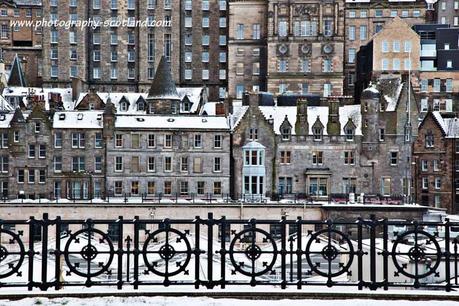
x: 57, y: 254
x: 120, y: 252
x: 447, y: 255
x: 210, y: 250
x: 283, y: 252
x: 197, y: 252
x: 31, y: 253
x: 299, y: 252
x: 44, y: 253
x: 360, y: 253
x: 373, y: 285
x: 385, y: 254
x: 136, y: 252
x: 222, y: 251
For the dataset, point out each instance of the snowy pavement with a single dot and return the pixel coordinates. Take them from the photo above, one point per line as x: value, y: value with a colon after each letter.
x: 203, y: 301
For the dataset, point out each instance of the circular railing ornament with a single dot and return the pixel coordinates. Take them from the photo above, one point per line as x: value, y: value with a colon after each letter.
x: 253, y: 253
x: 175, y: 245
x: 330, y: 252
x: 418, y: 253
x: 97, y: 260
x: 12, y: 252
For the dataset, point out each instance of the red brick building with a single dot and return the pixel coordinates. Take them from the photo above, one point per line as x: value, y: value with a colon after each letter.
x: 434, y: 162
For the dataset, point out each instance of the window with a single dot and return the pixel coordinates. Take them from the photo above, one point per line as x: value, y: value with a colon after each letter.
x: 396, y: 46
x: 327, y: 89
x: 382, y: 134
x: 386, y: 186
x: 396, y: 64
x: 424, y: 165
x: 436, y: 165
x: 57, y: 162
x: 4, y: 164
x: 385, y: 46
x: 31, y: 151
x: 42, y: 151
x: 285, y: 157
x: 167, y: 164
x: 217, y: 187
x: 135, y: 141
x: 349, y: 185
x: 393, y: 13
x: 429, y: 140
x: 78, y: 164
x: 449, y: 85
x: 197, y: 141
x: 327, y: 65
x: 20, y: 176
x: 118, y: 188
x: 349, y: 131
x: 151, y: 188
x: 393, y: 158
x: 285, y: 185
x: 317, y: 132
x: 256, y: 31
x: 118, y: 140
x: 256, y: 69
x: 37, y: 127
x: 31, y: 179
x: 4, y: 139
x: 118, y: 163
x: 167, y: 187
x: 98, y: 140
x: 253, y: 134
x: 318, y: 186
x: 218, y: 141
x: 16, y: 136
x: 351, y: 55
x: 349, y: 158
x: 205, y: 22
x: 98, y: 164
x: 436, y: 85
x: 351, y: 32
x: 134, y: 188
x: 217, y: 164
x: 328, y: 26
x: 282, y: 28
x: 424, y: 85
x: 363, y: 32
x: 168, y: 141
x: 438, y: 183
x: 449, y: 64
x: 240, y: 31
x: 239, y: 68
x: 151, y: 140
x: 407, y: 63
x: 317, y: 158
x: 283, y: 65
x: 424, y: 104
x: 78, y: 140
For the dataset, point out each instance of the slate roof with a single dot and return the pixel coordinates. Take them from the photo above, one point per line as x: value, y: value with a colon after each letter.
x: 16, y: 77
x: 163, y: 86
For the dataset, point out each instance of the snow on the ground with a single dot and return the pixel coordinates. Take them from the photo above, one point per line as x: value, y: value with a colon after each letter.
x: 203, y: 301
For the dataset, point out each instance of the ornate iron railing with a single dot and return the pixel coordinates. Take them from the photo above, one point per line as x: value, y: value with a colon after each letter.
x: 365, y: 253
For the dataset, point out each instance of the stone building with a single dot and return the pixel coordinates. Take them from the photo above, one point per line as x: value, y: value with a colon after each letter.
x: 394, y: 49
x: 22, y: 41
x: 165, y: 153
x: 123, y: 57
x: 247, y: 55
x: 305, y: 47
x: 366, y: 18
x: 435, y: 166
x: 319, y: 151
x: 447, y: 12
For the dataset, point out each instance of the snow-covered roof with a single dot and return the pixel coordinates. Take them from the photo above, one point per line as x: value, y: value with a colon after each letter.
x: 452, y: 127
x: 23, y: 92
x: 5, y: 120
x: 5, y: 106
x: 239, y: 111
x: 209, y: 108
x: 193, y: 94
x: 278, y: 114
x: 254, y: 145
x: 78, y: 120
x: 440, y: 121
x: 170, y: 122
x: 390, y: 88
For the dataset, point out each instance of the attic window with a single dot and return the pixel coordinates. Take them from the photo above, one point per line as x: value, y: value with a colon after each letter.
x: 2, y: 117
x: 61, y: 116
x: 99, y: 117
x: 204, y: 120
x: 349, y: 131
x: 123, y: 106
x: 80, y: 116
x: 141, y: 106
x: 317, y: 132
x: 286, y: 133
x: 170, y: 120
x: 140, y: 119
x: 186, y: 107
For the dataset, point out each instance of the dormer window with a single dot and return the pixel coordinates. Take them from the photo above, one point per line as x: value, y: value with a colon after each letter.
x: 141, y: 106
x: 253, y: 134
x: 286, y: 133
x: 91, y: 106
x: 124, y: 106
x: 16, y: 136
x: 37, y: 127
x: 429, y: 140
x: 349, y: 133
x: 186, y: 106
x: 317, y: 132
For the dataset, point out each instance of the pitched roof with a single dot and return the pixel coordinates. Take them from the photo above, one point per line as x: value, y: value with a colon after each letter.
x: 163, y: 86
x: 17, y: 77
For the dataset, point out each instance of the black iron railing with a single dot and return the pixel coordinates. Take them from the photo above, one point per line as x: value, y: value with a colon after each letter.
x: 365, y: 253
